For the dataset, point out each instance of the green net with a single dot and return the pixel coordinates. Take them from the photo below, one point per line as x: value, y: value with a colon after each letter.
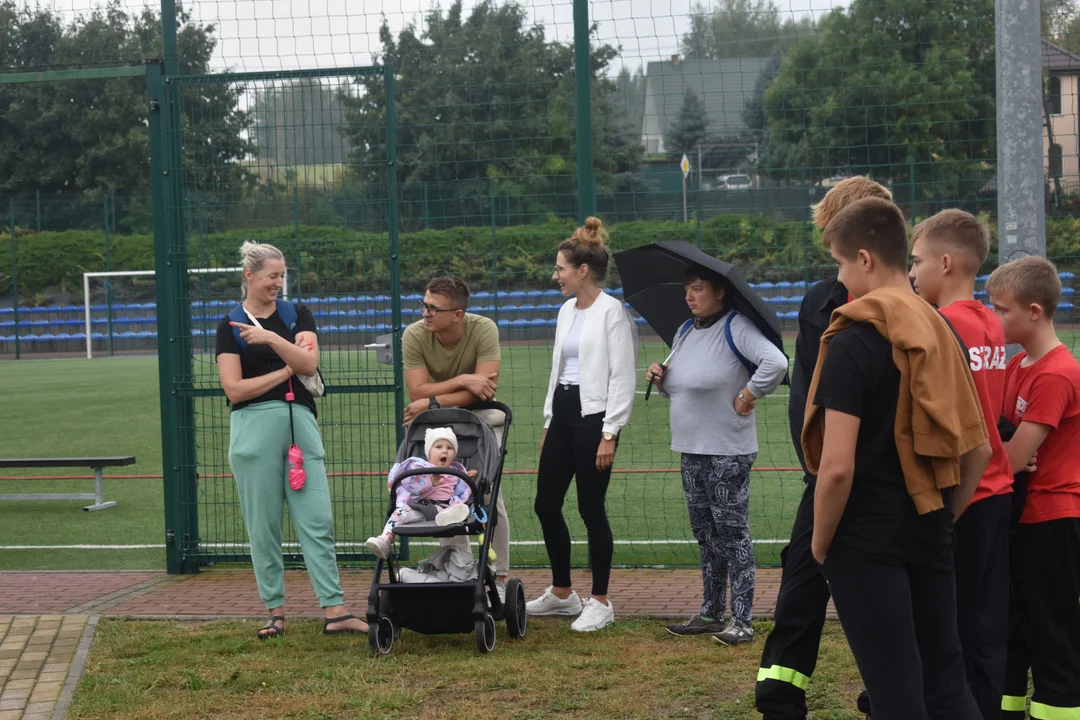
x: 771, y: 104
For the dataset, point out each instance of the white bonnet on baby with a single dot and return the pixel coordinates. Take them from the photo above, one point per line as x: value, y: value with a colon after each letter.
x: 433, y: 435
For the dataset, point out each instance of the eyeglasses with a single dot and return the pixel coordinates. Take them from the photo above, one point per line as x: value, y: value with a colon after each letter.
x: 432, y: 310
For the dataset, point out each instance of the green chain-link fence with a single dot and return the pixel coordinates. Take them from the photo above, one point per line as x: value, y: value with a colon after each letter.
x: 771, y: 105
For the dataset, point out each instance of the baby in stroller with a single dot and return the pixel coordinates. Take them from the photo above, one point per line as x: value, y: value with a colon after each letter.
x: 443, y: 498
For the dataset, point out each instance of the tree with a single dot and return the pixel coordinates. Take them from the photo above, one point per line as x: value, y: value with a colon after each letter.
x: 91, y: 136
x: 484, y: 98
x: 887, y: 89
x: 741, y: 28
x: 690, y: 128
x: 754, y: 108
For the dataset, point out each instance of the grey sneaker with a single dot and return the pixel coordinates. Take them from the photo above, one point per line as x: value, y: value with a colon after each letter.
x: 735, y: 634
x: 697, y: 626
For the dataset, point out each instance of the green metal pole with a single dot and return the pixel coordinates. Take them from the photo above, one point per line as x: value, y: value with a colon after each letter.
x: 14, y: 276
x: 395, y: 248
x: 296, y: 213
x: 175, y: 379
x: 168, y: 36
x: 395, y: 262
x: 582, y: 73
x: 697, y: 202
x: 424, y: 191
x: 911, y: 186
x: 37, y: 209
x: 494, y: 252
x: 108, y: 280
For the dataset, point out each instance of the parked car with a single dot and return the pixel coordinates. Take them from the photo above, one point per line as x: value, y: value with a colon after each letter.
x: 737, y: 182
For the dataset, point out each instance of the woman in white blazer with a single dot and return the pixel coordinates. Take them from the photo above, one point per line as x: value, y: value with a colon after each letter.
x: 589, y: 400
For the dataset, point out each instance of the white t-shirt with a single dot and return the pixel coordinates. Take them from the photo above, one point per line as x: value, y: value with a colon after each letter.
x: 570, y: 374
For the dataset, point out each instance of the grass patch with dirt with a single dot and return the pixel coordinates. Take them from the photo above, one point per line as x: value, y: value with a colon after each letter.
x: 167, y: 669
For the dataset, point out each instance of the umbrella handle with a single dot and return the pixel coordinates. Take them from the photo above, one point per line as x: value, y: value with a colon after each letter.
x: 648, y: 390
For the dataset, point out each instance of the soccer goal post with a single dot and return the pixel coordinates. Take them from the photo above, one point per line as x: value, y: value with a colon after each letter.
x: 88, y: 307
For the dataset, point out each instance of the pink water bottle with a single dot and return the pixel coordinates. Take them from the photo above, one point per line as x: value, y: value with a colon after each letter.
x: 297, y: 476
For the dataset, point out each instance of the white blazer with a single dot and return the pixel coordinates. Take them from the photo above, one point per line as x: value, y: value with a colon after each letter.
x: 607, y: 360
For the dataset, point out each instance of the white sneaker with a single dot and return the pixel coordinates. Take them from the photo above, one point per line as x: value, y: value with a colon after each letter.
x: 595, y: 616
x: 452, y: 515
x: 379, y: 545
x: 548, y: 604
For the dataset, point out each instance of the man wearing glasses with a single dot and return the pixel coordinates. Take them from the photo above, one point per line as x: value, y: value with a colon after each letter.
x: 452, y: 359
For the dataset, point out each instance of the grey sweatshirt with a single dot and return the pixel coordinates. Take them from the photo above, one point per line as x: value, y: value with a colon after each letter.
x: 702, y: 380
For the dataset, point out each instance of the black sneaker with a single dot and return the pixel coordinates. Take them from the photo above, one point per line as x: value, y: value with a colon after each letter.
x: 697, y: 626
x: 735, y: 634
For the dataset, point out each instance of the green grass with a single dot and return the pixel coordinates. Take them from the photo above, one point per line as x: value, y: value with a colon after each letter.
x: 110, y: 406
x: 159, y: 669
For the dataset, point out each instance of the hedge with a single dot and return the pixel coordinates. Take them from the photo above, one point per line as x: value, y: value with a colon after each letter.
x: 334, y: 260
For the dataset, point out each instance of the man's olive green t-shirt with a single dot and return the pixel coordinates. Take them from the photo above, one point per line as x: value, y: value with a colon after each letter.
x: 479, y: 343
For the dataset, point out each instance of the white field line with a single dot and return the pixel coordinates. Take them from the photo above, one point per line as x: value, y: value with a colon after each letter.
x: 352, y: 546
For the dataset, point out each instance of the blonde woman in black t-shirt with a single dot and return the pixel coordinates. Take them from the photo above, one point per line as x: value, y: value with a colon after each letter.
x: 257, y: 372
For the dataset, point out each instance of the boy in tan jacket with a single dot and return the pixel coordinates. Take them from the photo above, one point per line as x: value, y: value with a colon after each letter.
x: 895, y: 433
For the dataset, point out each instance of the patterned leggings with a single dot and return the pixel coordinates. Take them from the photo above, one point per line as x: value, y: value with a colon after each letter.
x: 717, y: 489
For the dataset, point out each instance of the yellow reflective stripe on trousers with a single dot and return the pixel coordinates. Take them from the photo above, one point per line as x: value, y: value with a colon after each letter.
x: 1013, y: 703
x: 1041, y: 711
x: 783, y: 674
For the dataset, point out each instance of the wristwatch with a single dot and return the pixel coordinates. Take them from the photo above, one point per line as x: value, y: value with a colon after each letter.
x: 742, y: 396
x: 609, y: 436
x: 433, y: 403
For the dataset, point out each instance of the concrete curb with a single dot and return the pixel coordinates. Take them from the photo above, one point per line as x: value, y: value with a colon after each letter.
x: 78, y: 664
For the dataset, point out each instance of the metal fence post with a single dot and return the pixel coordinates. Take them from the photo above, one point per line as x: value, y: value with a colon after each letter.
x: 494, y: 252
x: 395, y: 264
x: 108, y: 281
x: 14, y: 275
x: 582, y: 77
x: 1020, y: 190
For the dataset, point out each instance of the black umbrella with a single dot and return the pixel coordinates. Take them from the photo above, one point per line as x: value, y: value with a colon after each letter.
x: 653, y: 284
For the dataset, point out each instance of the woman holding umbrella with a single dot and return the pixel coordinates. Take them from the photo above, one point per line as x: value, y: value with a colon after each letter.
x: 720, y: 366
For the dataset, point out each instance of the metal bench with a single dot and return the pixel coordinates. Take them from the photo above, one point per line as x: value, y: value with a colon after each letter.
x: 97, y: 464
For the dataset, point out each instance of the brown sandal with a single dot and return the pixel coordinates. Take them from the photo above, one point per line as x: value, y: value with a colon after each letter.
x: 272, y: 627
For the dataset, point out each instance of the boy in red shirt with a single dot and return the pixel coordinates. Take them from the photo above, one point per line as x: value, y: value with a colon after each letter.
x: 1042, y: 400
x: 947, y: 251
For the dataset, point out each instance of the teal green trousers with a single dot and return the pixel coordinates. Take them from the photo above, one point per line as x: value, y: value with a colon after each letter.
x: 258, y: 449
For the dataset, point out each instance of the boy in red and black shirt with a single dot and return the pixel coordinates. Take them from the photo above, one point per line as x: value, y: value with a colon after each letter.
x: 1042, y: 400
x: 946, y: 254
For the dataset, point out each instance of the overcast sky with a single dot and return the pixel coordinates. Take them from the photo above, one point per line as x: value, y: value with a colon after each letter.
x: 301, y: 34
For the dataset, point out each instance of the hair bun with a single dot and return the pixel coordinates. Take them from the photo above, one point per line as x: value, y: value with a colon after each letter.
x: 593, y: 232
x: 248, y: 248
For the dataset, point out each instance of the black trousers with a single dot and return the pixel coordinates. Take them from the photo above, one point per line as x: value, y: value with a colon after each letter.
x: 1044, y: 621
x: 981, y: 557
x: 569, y: 451
x: 900, y: 621
x: 791, y: 649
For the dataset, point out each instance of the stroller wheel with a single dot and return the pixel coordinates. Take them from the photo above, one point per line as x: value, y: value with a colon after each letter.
x: 515, y: 609
x: 381, y: 635
x: 484, y: 633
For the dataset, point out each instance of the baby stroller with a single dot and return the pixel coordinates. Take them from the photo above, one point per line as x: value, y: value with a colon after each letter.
x: 450, y: 607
